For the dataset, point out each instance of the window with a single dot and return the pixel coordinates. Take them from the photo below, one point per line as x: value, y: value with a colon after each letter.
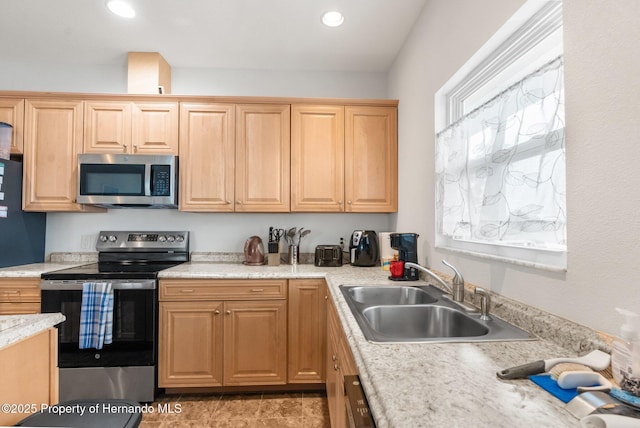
x: 500, y: 158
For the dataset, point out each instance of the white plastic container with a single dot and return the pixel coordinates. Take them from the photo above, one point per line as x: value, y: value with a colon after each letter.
x: 625, y: 355
x: 6, y: 134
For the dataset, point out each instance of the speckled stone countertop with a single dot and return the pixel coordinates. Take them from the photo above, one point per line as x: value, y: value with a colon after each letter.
x: 437, y: 385
x: 14, y: 328
x: 431, y: 385
x: 34, y: 270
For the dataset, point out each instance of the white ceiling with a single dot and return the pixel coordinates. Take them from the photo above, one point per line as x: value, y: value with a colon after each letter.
x: 231, y: 34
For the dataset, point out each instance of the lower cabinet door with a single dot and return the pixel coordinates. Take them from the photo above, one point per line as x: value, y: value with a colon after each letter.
x: 190, y: 344
x: 255, y: 342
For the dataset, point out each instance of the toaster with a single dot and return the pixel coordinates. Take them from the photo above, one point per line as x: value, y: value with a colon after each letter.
x: 328, y: 255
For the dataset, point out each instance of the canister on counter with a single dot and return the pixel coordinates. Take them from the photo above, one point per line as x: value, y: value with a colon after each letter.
x: 386, y: 252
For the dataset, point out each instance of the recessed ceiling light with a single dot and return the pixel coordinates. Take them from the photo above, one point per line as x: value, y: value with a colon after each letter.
x: 332, y: 19
x: 121, y: 8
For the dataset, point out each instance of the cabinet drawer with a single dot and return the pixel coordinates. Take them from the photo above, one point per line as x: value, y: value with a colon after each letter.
x: 20, y: 290
x: 176, y: 289
x: 19, y: 308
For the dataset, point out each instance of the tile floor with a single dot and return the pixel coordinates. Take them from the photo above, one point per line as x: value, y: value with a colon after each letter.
x: 275, y: 410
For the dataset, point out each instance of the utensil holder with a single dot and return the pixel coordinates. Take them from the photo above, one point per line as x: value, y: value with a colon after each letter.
x: 293, y: 255
x: 273, y: 259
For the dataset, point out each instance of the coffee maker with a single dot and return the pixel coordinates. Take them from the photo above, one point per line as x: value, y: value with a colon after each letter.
x: 363, y: 248
x: 407, y: 246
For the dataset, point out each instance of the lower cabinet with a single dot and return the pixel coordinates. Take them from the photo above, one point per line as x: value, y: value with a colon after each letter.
x: 19, y: 296
x: 205, y: 341
x: 340, y: 363
x: 307, y: 330
x: 29, y: 376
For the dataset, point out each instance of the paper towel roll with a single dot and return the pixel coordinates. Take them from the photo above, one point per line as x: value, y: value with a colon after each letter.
x: 386, y: 252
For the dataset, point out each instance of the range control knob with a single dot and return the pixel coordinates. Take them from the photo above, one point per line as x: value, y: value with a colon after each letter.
x: 113, y: 238
x: 179, y: 238
x: 103, y: 238
x: 171, y: 238
x: 162, y: 238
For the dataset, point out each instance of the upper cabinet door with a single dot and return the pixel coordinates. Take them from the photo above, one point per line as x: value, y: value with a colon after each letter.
x: 207, y: 153
x: 12, y: 112
x: 107, y: 127
x: 262, y: 158
x: 155, y: 128
x: 317, y: 158
x: 134, y: 128
x: 52, y: 141
x: 371, y: 159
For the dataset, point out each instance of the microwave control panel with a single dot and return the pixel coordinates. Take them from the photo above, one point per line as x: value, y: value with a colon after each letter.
x: 161, y: 180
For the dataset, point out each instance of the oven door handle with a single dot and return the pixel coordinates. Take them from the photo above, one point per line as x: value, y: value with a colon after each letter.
x: 51, y: 284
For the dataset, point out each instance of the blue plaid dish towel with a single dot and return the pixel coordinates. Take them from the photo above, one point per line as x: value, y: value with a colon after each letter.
x: 96, y: 315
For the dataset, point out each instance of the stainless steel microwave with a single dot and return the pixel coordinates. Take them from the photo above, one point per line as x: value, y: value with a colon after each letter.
x: 134, y: 181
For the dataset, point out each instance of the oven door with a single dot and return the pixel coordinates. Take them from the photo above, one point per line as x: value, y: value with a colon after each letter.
x: 134, y: 324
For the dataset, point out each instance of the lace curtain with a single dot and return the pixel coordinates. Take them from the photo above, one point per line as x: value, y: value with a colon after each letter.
x: 500, y: 170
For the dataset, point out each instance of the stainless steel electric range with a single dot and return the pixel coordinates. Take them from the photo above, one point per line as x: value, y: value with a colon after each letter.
x: 127, y: 367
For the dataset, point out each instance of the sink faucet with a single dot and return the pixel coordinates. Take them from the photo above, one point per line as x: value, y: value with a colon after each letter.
x: 456, y: 292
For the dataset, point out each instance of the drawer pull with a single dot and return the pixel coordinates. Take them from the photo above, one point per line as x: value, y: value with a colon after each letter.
x: 186, y: 290
x: 257, y: 290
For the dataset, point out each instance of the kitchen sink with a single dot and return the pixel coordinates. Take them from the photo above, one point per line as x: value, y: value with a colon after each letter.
x: 390, y: 295
x: 421, y: 321
x: 399, y: 313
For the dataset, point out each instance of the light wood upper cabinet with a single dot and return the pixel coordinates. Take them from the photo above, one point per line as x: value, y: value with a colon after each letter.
x: 307, y: 330
x: 12, y: 112
x: 317, y: 158
x: 344, y: 159
x: 371, y: 159
x: 131, y: 127
x: 52, y: 141
x: 207, y: 156
x: 262, y: 166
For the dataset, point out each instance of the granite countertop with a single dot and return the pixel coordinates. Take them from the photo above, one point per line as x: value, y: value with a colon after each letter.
x: 34, y: 270
x: 426, y: 385
x: 14, y: 328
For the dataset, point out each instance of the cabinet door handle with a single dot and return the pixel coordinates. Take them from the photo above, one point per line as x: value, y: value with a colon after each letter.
x: 349, y: 202
x: 257, y: 290
x: 333, y: 357
x: 217, y: 312
x: 228, y: 202
x: 124, y: 147
x: 228, y: 312
x: 135, y: 148
x: 335, y: 367
x: 186, y: 290
x: 239, y: 202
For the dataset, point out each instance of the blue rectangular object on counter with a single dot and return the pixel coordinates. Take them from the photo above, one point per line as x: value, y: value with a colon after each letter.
x: 550, y: 385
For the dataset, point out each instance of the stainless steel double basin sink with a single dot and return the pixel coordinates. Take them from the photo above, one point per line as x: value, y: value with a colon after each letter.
x: 398, y: 313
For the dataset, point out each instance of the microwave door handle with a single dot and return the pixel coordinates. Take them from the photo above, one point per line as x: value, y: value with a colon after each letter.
x: 147, y: 180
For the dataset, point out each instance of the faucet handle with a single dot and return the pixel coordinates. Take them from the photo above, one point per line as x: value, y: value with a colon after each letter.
x: 457, y: 277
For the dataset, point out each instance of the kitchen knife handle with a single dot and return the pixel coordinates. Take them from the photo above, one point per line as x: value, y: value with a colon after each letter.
x: 521, y: 372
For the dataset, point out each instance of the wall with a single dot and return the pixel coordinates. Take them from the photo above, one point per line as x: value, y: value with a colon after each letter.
x: 211, y: 231
x: 603, y: 150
